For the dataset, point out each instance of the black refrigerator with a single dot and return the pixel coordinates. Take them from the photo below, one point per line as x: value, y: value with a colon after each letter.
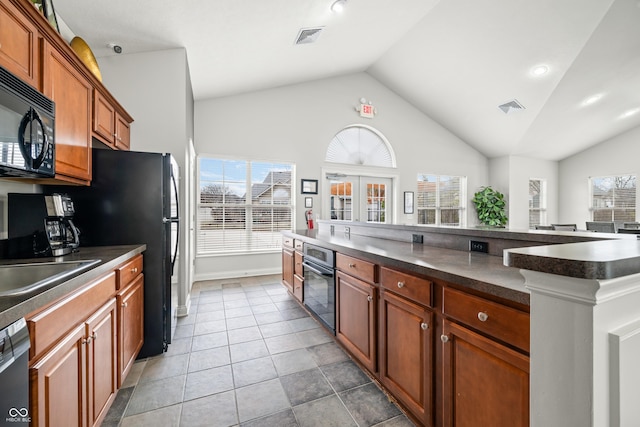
x: 133, y: 199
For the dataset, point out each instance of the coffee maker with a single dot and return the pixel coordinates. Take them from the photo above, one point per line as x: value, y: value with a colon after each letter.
x: 40, y: 225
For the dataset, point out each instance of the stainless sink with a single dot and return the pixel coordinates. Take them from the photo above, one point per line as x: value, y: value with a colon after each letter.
x: 18, y: 279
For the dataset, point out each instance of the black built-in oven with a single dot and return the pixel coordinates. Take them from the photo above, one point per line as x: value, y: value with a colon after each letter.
x: 320, y: 285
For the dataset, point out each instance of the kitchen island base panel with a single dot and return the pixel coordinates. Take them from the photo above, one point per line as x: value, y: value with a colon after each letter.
x: 571, y: 363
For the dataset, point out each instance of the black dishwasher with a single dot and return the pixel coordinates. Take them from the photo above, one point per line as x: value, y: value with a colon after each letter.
x: 14, y: 374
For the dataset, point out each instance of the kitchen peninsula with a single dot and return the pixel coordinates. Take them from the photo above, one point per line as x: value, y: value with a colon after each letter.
x: 437, y: 324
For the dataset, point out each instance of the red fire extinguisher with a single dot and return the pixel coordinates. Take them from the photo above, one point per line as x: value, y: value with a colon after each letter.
x: 309, y: 216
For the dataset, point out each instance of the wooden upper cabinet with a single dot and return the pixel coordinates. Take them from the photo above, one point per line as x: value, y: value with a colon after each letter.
x: 109, y: 126
x: 123, y: 132
x: 18, y: 43
x: 72, y: 94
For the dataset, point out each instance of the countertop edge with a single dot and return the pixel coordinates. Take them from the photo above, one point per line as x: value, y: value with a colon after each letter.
x: 485, y: 287
x: 110, y: 256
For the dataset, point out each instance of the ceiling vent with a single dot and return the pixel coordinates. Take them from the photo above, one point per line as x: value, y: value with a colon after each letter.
x: 308, y: 35
x: 511, y: 106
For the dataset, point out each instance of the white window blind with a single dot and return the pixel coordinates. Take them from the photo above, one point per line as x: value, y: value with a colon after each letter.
x: 537, y: 202
x: 441, y: 199
x: 243, y: 205
x: 613, y: 198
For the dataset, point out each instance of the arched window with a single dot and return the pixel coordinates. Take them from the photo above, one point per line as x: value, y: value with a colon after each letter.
x: 360, y: 145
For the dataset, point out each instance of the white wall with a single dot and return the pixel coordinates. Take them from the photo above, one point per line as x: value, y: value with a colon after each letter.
x: 296, y: 123
x: 155, y: 88
x: 510, y: 175
x: 617, y: 156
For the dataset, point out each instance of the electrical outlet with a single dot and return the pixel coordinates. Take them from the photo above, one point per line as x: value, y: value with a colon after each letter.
x: 347, y: 231
x: 417, y: 238
x: 475, y: 246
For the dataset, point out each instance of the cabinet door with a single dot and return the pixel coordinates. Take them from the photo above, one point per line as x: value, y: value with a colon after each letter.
x: 58, y: 384
x: 130, y: 303
x: 298, y: 287
x: 101, y: 362
x: 357, y: 304
x: 485, y: 383
x: 406, y: 354
x: 287, y: 269
x: 123, y: 133
x: 18, y: 41
x: 104, y: 119
x: 72, y: 94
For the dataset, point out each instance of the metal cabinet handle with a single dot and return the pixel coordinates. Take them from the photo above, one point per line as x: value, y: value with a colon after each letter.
x: 482, y: 316
x: 352, y: 265
x: 401, y: 284
x: 444, y: 338
x: 86, y: 340
x: 424, y: 326
x: 94, y: 336
x: 134, y: 270
x: 124, y: 304
x: 369, y: 298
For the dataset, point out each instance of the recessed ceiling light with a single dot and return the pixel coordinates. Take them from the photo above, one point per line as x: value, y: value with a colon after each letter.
x: 592, y: 99
x: 338, y: 6
x: 539, y: 70
x: 630, y: 113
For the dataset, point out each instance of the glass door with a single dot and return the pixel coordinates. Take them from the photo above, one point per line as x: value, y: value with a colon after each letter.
x: 360, y: 198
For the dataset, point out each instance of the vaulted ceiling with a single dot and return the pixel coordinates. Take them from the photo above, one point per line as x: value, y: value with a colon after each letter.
x: 455, y: 60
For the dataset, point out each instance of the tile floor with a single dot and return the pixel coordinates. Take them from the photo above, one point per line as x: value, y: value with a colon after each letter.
x: 248, y: 355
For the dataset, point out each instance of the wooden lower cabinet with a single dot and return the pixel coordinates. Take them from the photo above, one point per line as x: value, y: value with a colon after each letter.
x: 406, y: 354
x: 83, y: 345
x: 58, y: 383
x: 74, y: 383
x: 287, y: 268
x: 130, y: 301
x: 356, y: 314
x: 101, y: 342
x: 484, y: 382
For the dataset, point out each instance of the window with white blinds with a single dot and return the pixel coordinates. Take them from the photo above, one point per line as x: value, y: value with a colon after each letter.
x: 613, y: 198
x: 537, y: 202
x: 243, y: 205
x: 441, y: 199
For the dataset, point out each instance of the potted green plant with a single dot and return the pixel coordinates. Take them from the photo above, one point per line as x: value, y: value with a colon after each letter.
x: 490, y: 205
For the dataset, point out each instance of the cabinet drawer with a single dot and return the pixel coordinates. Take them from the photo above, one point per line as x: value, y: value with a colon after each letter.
x: 415, y: 288
x: 127, y: 272
x: 287, y: 242
x: 49, y: 325
x: 299, y: 245
x: 356, y: 267
x: 297, y: 265
x: 504, y: 323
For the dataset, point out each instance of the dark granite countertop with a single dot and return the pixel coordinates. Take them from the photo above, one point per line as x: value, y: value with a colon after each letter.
x: 478, y: 271
x: 590, y: 260
x: 13, y: 308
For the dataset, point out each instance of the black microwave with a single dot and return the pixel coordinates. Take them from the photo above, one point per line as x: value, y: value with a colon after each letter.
x: 26, y: 130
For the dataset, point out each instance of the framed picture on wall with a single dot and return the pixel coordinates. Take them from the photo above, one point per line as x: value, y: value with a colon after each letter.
x: 408, y: 202
x: 309, y: 186
x: 308, y: 202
